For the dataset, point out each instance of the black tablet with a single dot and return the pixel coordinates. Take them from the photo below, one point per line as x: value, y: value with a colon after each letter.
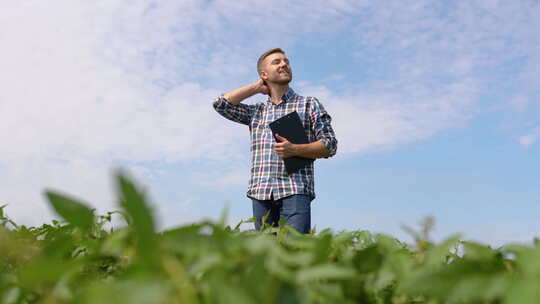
x: 290, y: 126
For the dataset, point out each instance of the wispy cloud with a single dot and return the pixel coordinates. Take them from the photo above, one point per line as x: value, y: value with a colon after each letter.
x: 529, y: 139
x: 437, y: 43
x: 366, y: 122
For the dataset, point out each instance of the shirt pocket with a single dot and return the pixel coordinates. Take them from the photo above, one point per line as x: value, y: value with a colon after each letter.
x: 260, y: 131
x: 256, y: 123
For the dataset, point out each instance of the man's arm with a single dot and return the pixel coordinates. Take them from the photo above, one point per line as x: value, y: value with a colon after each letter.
x: 324, y: 147
x: 238, y: 95
x: 314, y: 150
x: 321, y: 122
x: 229, y: 104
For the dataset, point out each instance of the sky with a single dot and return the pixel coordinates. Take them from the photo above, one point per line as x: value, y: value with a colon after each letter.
x: 435, y: 105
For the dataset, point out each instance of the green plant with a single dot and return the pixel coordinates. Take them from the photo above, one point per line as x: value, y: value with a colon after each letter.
x: 83, y: 259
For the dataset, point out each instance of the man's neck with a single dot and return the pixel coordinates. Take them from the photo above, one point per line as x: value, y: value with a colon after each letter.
x: 277, y: 91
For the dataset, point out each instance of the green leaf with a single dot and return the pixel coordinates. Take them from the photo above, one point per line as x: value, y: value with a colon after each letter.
x: 527, y: 259
x: 264, y: 218
x: 135, y: 291
x: 479, y: 252
x: 45, y: 270
x: 71, y: 210
x: 224, y: 217
x: 524, y: 291
x: 229, y: 293
x: 116, y: 243
x: 368, y: 260
x: 324, y: 272
x: 278, y: 269
x: 478, y: 287
x: 471, y: 278
x: 437, y: 255
x: 250, y: 220
x: 2, y: 210
x: 135, y: 205
x: 322, y: 248
x: 294, y: 258
x: 287, y: 293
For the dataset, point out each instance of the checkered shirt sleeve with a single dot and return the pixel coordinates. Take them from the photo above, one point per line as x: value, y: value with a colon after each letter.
x: 241, y: 113
x: 321, y: 122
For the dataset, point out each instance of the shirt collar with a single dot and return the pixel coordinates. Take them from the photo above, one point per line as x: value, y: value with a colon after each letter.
x: 286, y: 97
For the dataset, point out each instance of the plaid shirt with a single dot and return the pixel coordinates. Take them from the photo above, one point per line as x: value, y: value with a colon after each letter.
x: 268, y: 175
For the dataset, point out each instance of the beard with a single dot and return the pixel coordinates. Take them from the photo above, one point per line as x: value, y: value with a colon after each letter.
x: 283, y: 81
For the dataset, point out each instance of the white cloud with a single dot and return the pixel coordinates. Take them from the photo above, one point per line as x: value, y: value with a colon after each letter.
x: 529, y: 139
x: 223, y: 178
x: 368, y: 122
x: 437, y: 43
x: 519, y: 102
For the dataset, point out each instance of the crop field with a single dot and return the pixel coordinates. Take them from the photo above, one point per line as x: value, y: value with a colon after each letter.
x: 81, y: 259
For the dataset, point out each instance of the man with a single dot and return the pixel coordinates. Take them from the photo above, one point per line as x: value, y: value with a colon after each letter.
x: 271, y: 189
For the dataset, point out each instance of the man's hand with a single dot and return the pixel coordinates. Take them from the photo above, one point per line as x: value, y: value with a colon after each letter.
x: 261, y: 87
x: 285, y: 148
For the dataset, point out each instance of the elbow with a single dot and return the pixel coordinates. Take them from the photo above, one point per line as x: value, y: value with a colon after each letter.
x: 330, y: 147
x: 217, y: 104
x: 326, y: 153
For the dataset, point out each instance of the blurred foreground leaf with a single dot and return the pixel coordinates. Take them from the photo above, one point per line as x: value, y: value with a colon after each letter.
x: 71, y: 210
x: 134, y: 203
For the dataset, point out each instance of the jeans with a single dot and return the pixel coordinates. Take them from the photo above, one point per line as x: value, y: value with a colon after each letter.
x: 295, y: 208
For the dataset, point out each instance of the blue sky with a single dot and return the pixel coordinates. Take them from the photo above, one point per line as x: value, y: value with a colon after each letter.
x: 435, y: 106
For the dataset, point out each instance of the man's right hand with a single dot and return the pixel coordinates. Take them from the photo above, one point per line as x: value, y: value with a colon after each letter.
x: 261, y: 87
x: 236, y: 96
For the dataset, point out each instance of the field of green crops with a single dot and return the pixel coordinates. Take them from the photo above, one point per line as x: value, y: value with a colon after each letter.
x: 82, y: 260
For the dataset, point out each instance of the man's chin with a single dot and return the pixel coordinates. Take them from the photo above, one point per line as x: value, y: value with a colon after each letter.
x: 283, y: 81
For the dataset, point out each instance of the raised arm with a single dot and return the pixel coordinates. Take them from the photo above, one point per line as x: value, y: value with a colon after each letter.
x: 229, y: 104
x: 236, y: 96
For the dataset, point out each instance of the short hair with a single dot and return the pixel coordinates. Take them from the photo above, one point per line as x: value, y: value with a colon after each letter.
x: 266, y: 54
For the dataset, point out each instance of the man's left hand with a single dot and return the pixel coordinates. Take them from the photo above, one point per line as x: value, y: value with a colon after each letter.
x: 285, y: 148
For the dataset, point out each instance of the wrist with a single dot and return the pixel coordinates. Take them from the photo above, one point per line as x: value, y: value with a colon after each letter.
x: 296, y: 149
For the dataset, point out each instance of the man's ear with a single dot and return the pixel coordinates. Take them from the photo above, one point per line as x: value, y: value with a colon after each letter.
x: 263, y: 75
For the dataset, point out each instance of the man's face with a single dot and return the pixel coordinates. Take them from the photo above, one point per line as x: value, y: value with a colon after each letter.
x: 276, y: 69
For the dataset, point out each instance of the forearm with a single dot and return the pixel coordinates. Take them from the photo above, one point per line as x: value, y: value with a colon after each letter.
x: 238, y: 95
x: 312, y: 150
